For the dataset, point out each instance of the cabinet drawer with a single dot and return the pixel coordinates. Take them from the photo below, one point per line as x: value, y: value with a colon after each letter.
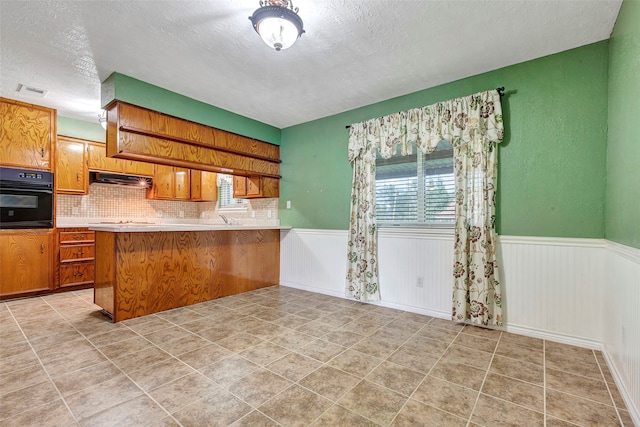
x: 76, y: 274
x: 77, y: 236
x: 71, y: 253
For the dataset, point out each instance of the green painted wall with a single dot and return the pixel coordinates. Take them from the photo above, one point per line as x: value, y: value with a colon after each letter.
x: 127, y: 89
x: 551, y: 164
x: 623, y: 150
x: 81, y: 129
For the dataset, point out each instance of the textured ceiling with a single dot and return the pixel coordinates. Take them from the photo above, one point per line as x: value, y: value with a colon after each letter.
x: 353, y: 53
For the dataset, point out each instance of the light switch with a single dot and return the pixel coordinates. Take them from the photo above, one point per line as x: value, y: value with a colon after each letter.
x: 288, y: 204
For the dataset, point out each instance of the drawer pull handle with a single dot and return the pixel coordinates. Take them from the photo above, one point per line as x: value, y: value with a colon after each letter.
x: 78, y: 237
x: 79, y: 253
x: 78, y: 274
x: 41, y: 248
x: 42, y: 152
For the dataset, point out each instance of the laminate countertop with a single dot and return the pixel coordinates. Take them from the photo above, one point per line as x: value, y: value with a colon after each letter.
x: 153, y: 228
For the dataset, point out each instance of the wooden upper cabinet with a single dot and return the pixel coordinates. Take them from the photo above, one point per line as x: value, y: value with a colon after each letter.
x: 163, y: 183
x: 72, y: 173
x: 182, y: 183
x: 255, y: 187
x: 27, y: 134
x: 204, y: 186
x: 98, y: 160
x: 138, y: 168
x: 25, y: 261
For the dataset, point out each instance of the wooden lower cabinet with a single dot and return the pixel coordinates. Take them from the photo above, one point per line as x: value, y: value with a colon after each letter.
x: 144, y: 273
x: 25, y: 262
x: 76, y: 258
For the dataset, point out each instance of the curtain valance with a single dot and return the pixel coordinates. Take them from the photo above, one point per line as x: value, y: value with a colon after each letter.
x: 456, y: 120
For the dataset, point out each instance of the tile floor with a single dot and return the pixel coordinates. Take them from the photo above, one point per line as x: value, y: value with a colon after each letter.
x: 284, y: 357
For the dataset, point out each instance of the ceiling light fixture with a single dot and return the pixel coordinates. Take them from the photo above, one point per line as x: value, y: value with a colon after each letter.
x: 102, y: 119
x: 277, y: 22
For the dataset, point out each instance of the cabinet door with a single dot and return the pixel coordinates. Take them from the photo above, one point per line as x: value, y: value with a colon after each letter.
x: 25, y: 261
x: 196, y: 189
x: 253, y: 186
x: 138, y: 168
x: 209, y: 186
x: 182, y: 184
x: 239, y: 186
x: 99, y: 161
x: 27, y: 133
x: 71, y: 166
x: 163, y: 182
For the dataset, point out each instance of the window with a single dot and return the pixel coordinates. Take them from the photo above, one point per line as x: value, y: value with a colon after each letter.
x: 416, y: 189
x: 225, y: 194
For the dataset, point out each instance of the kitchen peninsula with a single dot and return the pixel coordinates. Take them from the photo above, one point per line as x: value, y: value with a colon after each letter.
x: 143, y: 269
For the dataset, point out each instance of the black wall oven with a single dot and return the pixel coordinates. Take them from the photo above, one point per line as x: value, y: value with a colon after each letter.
x: 26, y: 199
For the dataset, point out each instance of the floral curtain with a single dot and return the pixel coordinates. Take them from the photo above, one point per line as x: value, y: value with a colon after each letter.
x: 473, y: 125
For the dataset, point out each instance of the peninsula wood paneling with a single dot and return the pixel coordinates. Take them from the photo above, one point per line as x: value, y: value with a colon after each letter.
x: 137, y: 133
x: 153, y: 272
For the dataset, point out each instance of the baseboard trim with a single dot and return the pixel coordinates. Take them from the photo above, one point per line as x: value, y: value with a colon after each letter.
x: 634, y: 411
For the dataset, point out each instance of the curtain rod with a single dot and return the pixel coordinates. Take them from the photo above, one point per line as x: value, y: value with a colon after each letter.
x: 499, y: 89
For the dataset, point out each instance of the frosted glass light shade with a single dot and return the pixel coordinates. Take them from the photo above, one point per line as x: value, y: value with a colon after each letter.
x: 278, y: 26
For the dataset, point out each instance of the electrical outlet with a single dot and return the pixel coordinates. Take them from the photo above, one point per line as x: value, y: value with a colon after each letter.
x: 180, y: 214
x: 269, y: 213
x: 75, y: 210
x: 420, y: 281
x: 253, y: 214
x: 159, y: 213
x: 288, y: 204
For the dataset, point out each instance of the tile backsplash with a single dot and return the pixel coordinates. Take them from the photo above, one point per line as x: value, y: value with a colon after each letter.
x: 130, y: 203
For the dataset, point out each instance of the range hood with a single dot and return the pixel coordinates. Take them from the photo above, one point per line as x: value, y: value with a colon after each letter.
x: 115, y: 179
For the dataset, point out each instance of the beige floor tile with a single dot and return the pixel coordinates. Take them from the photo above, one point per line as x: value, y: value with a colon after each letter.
x: 180, y: 315
x: 183, y: 345
x: 518, y: 352
x: 464, y: 375
x: 138, y: 360
x: 554, y: 422
x: 239, y: 342
x: 376, y: 347
x: 414, y: 359
x: 321, y: 350
x: 294, y: 366
x: 112, y: 337
x: 428, y: 345
x: 580, y: 411
x: 123, y: 348
x: 578, y: 386
x: 255, y: 419
x: 45, y: 341
x: 21, y: 378
x: 149, y: 377
x: 584, y: 354
x: 626, y: 418
x: 530, y: 342
x: 339, y: 416
x: 563, y: 362
x: 167, y: 334
x: 18, y: 401
x: 490, y: 411
x: 65, y: 349
x: 87, y: 377
x: 109, y: 393
x: 177, y: 394
x: 148, y: 324
x: 355, y: 363
x: 217, y: 409
x: 529, y: 372
x: 204, y: 356
x: 264, y: 353
x: 259, y: 386
x: 396, y: 377
x: 329, y: 382
x: 515, y: 391
x: 137, y: 412
x: 343, y: 338
x: 446, y: 396
x: 227, y: 371
x: 476, y: 342
x: 418, y: 414
x: 52, y: 414
x: 292, y: 339
x: 446, y: 324
x: 460, y: 354
x: 295, y: 407
x: 372, y: 401
x: 314, y: 328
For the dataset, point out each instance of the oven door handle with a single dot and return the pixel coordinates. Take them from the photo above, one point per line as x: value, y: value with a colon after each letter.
x: 25, y: 189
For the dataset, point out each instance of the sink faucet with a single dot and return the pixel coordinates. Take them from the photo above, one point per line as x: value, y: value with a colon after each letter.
x: 225, y: 219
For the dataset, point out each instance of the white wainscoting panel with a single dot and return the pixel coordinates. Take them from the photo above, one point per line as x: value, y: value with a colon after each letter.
x: 621, y: 316
x: 583, y: 292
